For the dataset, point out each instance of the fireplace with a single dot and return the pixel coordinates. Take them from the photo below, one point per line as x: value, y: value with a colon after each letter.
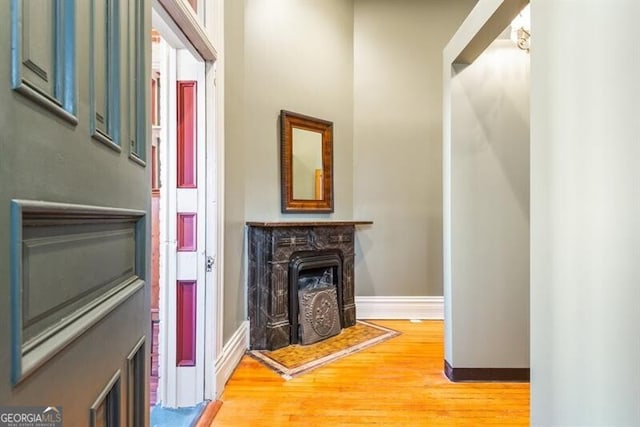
x: 315, y: 296
x: 283, y: 257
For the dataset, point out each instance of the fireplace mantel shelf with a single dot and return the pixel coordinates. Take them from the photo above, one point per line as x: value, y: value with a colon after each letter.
x: 332, y: 223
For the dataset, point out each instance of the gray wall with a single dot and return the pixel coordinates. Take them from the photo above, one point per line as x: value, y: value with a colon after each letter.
x: 397, y: 148
x: 490, y: 211
x: 293, y: 55
x: 373, y: 68
x: 234, y: 100
x: 298, y: 57
x: 585, y: 199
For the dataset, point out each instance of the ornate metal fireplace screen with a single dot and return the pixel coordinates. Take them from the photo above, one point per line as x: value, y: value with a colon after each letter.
x: 315, y: 296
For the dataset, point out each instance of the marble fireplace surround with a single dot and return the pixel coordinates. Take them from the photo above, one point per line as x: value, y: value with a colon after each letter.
x: 271, y: 246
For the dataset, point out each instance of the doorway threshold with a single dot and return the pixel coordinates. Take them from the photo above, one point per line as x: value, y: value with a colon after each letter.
x: 176, y: 417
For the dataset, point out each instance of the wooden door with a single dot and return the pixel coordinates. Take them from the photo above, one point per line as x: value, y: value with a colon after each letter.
x: 74, y: 209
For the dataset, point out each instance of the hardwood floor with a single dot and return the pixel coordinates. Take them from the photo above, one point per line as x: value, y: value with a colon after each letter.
x: 396, y: 383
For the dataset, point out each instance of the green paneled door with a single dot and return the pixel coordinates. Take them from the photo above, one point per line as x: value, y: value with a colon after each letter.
x: 74, y: 210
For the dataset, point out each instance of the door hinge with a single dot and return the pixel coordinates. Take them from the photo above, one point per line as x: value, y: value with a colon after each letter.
x: 210, y: 261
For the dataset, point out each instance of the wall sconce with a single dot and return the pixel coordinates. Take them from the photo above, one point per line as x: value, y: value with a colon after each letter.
x: 523, y: 39
x: 521, y: 29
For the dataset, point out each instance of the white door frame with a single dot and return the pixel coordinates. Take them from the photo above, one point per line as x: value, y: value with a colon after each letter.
x: 214, y: 232
x: 216, y: 373
x: 210, y: 99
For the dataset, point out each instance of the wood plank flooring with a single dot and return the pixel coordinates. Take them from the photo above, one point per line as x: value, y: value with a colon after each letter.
x: 396, y: 383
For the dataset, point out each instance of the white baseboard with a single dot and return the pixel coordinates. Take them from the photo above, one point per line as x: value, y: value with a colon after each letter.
x: 400, y: 307
x: 232, y: 352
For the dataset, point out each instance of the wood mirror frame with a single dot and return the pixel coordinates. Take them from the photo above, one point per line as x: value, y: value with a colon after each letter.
x: 323, y: 202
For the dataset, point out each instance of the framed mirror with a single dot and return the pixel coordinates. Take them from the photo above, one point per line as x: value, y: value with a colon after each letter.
x: 306, y: 163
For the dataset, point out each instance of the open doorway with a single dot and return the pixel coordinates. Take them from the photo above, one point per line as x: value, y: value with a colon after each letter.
x: 183, y: 219
x: 486, y: 197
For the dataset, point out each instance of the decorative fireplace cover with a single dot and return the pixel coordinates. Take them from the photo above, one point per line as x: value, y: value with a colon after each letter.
x: 319, y: 314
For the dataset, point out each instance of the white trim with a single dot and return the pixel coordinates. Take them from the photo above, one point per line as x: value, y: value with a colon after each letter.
x: 220, y: 223
x: 215, y: 23
x: 384, y: 307
x: 230, y: 356
x: 185, y: 18
x: 212, y: 311
x: 167, y: 231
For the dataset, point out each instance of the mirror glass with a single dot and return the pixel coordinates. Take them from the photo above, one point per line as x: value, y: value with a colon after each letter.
x: 306, y: 163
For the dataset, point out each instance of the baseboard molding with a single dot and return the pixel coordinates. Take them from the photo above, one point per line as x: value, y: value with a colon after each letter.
x: 400, y: 307
x: 486, y: 374
x: 232, y: 352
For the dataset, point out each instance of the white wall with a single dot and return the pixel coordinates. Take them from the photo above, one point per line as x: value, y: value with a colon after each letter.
x: 490, y: 210
x: 585, y: 216
x: 397, y: 148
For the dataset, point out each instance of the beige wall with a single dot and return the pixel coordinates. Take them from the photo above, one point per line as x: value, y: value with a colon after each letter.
x: 397, y: 160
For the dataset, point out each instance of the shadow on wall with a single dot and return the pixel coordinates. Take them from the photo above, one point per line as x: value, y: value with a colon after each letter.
x: 489, y: 96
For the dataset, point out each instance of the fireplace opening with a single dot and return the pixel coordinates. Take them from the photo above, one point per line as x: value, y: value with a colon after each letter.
x: 315, y: 296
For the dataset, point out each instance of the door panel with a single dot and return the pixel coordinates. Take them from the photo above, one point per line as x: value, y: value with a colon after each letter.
x: 105, y: 73
x: 39, y: 22
x: 74, y: 298
x: 184, y: 361
x: 42, y: 65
